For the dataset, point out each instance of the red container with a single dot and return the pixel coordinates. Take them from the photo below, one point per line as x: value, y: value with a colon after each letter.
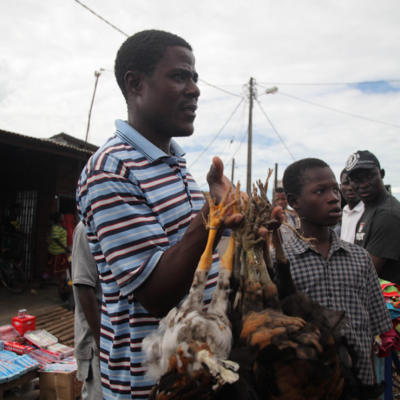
x: 24, y: 324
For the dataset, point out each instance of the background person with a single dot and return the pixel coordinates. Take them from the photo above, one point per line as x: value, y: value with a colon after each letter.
x: 289, y: 216
x: 88, y: 300
x: 352, y: 211
x: 378, y: 229
x: 58, y: 252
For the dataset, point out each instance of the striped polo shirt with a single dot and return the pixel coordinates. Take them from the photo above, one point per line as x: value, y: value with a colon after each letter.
x: 135, y: 202
x: 57, y: 232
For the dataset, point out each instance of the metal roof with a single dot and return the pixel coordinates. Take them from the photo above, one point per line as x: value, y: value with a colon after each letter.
x: 61, y: 144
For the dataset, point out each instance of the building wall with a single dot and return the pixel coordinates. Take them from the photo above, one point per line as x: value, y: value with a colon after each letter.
x: 49, y: 176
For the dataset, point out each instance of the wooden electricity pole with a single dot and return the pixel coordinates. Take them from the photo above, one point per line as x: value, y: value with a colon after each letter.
x: 249, y: 138
x: 97, y: 75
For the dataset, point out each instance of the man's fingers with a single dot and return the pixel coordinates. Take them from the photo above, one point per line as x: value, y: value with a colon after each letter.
x: 216, y: 170
x: 233, y: 221
x: 276, y: 214
x: 262, y: 232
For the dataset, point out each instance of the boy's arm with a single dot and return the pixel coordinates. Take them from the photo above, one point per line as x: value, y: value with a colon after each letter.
x: 90, y: 308
x: 378, y: 262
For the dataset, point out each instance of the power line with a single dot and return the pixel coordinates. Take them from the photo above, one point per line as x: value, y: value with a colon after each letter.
x: 327, y: 84
x: 194, y: 162
x: 239, y: 125
x: 226, y: 165
x: 273, y: 127
x: 222, y: 90
x: 240, y: 144
x: 98, y: 16
x: 339, y: 111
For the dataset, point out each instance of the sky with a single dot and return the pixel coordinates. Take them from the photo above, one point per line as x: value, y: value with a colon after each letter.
x: 336, y: 65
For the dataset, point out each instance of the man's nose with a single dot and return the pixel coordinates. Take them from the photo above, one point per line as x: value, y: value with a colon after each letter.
x: 192, y: 89
x: 364, y: 182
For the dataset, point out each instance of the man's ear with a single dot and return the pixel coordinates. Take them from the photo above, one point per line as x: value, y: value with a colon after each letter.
x: 134, y: 81
x: 292, y: 201
x: 382, y: 171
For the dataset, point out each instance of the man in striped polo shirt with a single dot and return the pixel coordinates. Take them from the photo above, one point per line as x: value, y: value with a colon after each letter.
x: 142, y: 208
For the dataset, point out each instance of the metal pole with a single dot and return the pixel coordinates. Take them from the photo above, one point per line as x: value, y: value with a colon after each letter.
x: 276, y: 176
x: 97, y: 75
x: 249, y: 139
x: 233, y: 170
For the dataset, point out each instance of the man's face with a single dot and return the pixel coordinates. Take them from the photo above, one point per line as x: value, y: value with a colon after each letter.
x: 367, y: 184
x: 347, y: 191
x: 281, y: 200
x: 168, y: 100
x: 319, y: 201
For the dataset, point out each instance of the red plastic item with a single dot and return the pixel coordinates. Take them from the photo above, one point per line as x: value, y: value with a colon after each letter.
x: 24, y: 323
x: 17, y: 348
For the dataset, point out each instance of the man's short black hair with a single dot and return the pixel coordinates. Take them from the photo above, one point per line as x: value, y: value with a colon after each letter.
x: 344, y: 171
x: 293, y: 178
x: 279, y: 190
x: 142, y: 52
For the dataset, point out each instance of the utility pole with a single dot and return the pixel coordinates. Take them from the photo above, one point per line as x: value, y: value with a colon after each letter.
x: 249, y: 138
x: 276, y: 176
x: 233, y: 170
x: 97, y: 75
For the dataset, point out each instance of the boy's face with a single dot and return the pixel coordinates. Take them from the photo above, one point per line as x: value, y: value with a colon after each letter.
x: 319, y: 201
x: 281, y: 200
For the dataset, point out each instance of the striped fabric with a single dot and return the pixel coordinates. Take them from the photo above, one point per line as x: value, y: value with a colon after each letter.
x: 135, y: 202
x: 345, y: 281
x: 57, y: 232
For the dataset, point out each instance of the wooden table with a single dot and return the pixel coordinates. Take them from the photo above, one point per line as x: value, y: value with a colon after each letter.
x: 16, y: 382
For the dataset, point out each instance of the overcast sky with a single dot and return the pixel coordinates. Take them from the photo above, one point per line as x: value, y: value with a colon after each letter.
x: 51, y: 49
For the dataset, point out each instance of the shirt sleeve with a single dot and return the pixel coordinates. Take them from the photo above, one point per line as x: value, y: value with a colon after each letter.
x: 384, y: 241
x: 83, y: 266
x: 131, y: 239
x: 379, y: 316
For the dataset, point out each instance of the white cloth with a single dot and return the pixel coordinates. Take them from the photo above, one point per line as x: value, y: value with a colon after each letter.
x: 349, y: 221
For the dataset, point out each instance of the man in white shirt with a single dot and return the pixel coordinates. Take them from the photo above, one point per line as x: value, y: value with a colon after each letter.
x: 352, y: 211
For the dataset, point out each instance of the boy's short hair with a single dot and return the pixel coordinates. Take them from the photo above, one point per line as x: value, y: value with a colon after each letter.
x: 279, y: 190
x: 293, y: 176
x: 142, y: 52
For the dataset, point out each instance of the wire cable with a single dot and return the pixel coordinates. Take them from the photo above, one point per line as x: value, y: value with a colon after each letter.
x: 226, y: 165
x: 212, y: 141
x: 240, y: 144
x: 222, y: 90
x: 323, y: 84
x: 98, y: 16
x: 230, y: 141
x: 339, y: 111
x: 273, y: 127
